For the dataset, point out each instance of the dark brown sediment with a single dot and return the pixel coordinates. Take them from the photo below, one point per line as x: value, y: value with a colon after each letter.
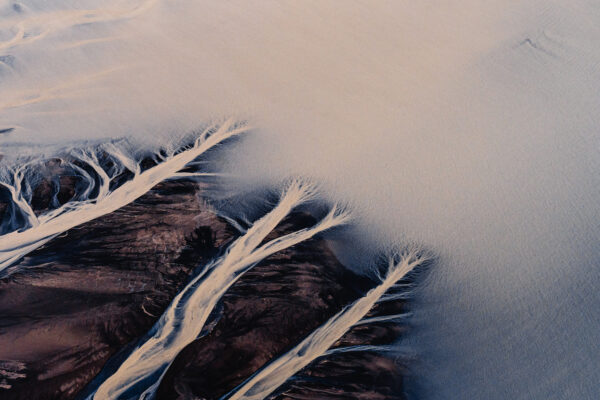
x: 56, y: 187
x: 275, y: 306
x: 270, y: 309
x: 69, y: 306
x: 364, y: 375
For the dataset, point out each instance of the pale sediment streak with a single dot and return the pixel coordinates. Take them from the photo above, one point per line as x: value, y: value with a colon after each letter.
x: 186, y: 316
x: 16, y: 244
x: 276, y: 373
x: 50, y: 22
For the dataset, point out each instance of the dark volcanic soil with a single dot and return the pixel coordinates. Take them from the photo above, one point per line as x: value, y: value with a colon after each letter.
x: 356, y: 375
x: 70, y: 306
x: 270, y: 309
